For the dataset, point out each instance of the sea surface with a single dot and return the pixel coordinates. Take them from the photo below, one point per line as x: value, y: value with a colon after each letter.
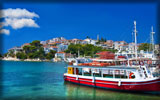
x: 44, y: 81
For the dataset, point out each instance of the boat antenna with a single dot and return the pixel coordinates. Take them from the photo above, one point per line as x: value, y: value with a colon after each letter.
x: 135, y: 33
x: 152, y: 39
x: 97, y: 37
x: 132, y: 40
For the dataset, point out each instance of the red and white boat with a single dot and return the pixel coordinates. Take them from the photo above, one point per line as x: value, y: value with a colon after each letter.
x: 142, y: 75
x: 119, y: 77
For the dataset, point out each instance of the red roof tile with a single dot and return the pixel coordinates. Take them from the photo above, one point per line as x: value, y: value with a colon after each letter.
x: 54, y: 47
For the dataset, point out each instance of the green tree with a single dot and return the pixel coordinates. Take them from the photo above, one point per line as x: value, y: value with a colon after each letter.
x: 41, y: 53
x: 11, y: 53
x: 35, y: 50
x: 26, y: 49
x: 29, y: 51
x: 21, y: 55
x: 98, y: 42
x: 88, y: 37
x: 103, y: 39
x: 144, y: 46
x: 51, y: 54
x: 88, y: 49
x: 5, y: 55
x: 36, y: 43
x: 1, y: 56
x: 112, y: 50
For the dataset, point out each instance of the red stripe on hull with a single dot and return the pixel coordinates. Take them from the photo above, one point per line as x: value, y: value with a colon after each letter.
x: 129, y: 86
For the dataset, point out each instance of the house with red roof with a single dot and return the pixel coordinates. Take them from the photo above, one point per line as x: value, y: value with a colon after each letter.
x: 25, y: 44
x: 106, y: 55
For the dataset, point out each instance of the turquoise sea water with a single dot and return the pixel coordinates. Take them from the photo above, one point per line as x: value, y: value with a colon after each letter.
x: 44, y: 81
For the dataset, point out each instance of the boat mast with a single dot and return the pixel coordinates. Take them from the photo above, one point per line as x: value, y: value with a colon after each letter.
x: 97, y: 37
x: 152, y: 39
x: 135, y: 33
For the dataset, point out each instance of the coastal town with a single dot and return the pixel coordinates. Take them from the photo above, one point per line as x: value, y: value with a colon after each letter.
x: 80, y: 50
x: 60, y: 49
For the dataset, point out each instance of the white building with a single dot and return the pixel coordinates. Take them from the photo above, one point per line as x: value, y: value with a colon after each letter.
x: 60, y: 55
x: 89, y: 41
x: 62, y: 47
x: 15, y: 50
x: 59, y: 39
x: 118, y: 44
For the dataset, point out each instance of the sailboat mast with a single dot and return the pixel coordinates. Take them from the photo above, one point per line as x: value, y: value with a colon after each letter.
x: 135, y: 33
x: 152, y: 38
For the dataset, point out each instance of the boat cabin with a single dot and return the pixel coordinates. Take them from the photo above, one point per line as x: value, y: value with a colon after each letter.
x: 116, y: 69
x: 121, y: 72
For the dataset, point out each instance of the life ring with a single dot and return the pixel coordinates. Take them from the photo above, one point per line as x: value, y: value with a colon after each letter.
x: 149, y: 62
x: 130, y: 75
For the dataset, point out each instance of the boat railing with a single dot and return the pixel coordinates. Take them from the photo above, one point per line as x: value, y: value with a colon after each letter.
x: 103, y: 73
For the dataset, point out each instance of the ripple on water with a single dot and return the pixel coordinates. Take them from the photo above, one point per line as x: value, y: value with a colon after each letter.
x: 37, y: 89
x: 28, y: 75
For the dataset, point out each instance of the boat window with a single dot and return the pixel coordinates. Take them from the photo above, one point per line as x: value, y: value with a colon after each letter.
x: 117, y: 73
x: 86, y: 71
x: 79, y: 71
x: 76, y: 71
x: 120, y: 74
x: 96, y: 72
x: 124, y: 74
x: 107, y: 73
x: 114, y: 73
x: 156, y: 74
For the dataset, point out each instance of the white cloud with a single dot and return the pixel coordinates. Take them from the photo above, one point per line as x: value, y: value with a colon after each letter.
x: 20, y: 23
x: 17, y: 13
x: 17, y: 18
x: 4, y: 31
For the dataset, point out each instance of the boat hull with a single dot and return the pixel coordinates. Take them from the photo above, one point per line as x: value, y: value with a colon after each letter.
x: 146, y: 86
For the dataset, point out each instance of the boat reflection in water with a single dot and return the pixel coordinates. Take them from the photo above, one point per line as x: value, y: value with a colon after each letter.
x: 76, y: 92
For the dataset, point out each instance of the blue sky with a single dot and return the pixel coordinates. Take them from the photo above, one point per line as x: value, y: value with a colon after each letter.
x: 78, y: 20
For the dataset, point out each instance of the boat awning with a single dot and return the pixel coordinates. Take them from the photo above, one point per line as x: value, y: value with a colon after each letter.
x: 108, y: 67
x: 110, y: 60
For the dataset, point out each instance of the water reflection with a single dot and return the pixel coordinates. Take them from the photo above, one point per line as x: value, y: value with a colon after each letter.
x: 74, y: 91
